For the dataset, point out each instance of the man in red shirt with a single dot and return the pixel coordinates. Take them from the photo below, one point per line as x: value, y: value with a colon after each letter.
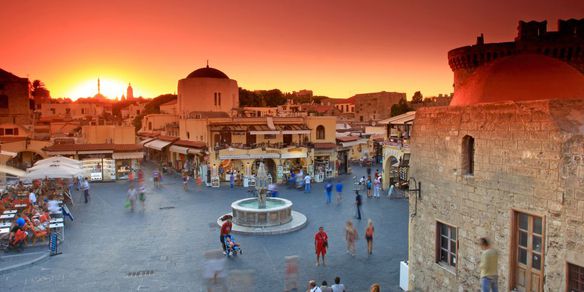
x: 225, y: 230
x: 320, y: 245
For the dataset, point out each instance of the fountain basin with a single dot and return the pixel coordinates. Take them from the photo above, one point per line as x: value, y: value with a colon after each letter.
x: 245, y: 212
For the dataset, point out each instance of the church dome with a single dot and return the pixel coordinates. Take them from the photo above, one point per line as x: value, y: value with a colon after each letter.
x: 519, y: 78
x: 207, y: 72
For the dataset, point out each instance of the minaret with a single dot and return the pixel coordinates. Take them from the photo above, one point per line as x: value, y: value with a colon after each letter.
x: 98, y: 87
x: 130, y: 92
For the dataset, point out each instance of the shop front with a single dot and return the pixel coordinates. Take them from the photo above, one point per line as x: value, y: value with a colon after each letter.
x: 102, y: 162
x: 157, y: 150
x: 292, y: 160
x: 324, y: 161
x: 126, y: 162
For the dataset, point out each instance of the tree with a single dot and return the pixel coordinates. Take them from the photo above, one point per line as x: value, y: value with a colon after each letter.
x: 39, y: 91
x: 417, y: 97
x: 401, y: 107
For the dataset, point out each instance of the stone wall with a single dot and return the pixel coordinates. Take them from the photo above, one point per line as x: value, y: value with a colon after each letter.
x: 529, y: 157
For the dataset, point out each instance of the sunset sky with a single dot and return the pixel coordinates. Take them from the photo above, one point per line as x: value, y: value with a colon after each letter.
x: 334, y: 47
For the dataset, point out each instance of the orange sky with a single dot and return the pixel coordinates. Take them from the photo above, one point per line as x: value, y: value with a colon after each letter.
x: 334, y: 47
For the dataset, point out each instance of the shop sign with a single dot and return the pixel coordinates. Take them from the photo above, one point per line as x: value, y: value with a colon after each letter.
x: 96, y: 176
x: 294, y: 155
x: 235, y: 156
x: 264, y: 155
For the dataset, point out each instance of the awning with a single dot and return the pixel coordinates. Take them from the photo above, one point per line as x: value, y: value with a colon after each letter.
x: 236, y: 156
x: 146, y: 140
x: 195, y: 151
x: 11, y: 170
x: 353, y: 143
x: 295, y: 129
x: 264, y: 155
x: 263, y: 130
x: 294, y: 155
x: 399, y: 120
x: 8, y: 153
x: 96, y: 152
x: 157, y: 144
x: 128, y: 155
x: 178, y: 149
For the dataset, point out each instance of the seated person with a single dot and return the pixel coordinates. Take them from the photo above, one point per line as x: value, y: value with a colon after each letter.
x: 17, y: 234
x: 53, y: 206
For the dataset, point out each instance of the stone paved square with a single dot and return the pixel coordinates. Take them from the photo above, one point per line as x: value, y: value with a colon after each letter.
x: 108, y: 248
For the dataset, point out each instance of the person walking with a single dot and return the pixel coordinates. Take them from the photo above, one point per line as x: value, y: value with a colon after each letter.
x: 337, y: 286
x: 376, y: 188
x: 369, y: 186
x: 156, y: 178
x: 369, y: 236
x: 488, y: 266
x: 350, y: 236
x: 142, y: 196
x: 85, y: 187
x: 225, y: 230
x: 375, y: 288
x: 339, y: 189
x: 185, y: 178
x: 320, y: 245
x: 328, y: 188
x: 231, y: 180
x: 325, y: 288
x: 358, y: 202
x: 312, y: 286
x: 307, y: 180
x: 132, y: 197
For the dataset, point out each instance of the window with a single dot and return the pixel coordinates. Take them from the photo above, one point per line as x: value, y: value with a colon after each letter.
x: 53, y: 111
x: 188, y: 135
x: 219, y: 98
x: 320, y: 132
x: 446, y: 245
x: 68, y: 111
x: 82, y: 111
x: 575, y: 278
x: 15, y: 131
x: 1, y: 131
x: 468, y: 152
x: 8, y: 131
x: 528, y: 252
x: 3, y: 101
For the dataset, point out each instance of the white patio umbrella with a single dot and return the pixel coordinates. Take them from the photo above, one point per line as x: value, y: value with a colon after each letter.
x: 54, y: 164
x: 58, y: 159
x: 54, y: 171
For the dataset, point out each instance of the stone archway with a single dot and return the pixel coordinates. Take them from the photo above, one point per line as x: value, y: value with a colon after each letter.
x: 24, y: 159
x: 388, y: 170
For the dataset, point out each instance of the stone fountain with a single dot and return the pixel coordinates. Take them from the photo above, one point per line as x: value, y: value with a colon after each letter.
x: 263, y: 215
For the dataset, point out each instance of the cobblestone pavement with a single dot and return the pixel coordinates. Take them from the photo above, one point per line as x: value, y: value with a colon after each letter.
x: 108, y: 248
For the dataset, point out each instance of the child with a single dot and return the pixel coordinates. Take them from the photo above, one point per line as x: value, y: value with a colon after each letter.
x: 230, y: 243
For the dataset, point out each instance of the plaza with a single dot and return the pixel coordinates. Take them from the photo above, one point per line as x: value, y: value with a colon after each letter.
x: 108, y: 248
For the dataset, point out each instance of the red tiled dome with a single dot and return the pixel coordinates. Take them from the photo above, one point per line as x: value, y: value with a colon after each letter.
x: 519, y: 78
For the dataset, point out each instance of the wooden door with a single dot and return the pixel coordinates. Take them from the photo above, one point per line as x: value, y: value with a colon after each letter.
x: 529, y: 253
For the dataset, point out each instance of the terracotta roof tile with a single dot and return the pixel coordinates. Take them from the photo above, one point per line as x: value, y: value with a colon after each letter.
x: 10, y: 139
x: 167, y: 138
x: 94, y: 147
x: 325, y: 145
x: 347, y: 139
x: 193, y: 144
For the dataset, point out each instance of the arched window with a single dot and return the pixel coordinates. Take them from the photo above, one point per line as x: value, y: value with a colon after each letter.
x: 320, y: 133
x: 468, y: 151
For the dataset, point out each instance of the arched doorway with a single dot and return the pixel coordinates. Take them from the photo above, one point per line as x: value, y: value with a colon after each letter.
x: 269, y: 164
x: 24, y: 159
x: 391, y: 170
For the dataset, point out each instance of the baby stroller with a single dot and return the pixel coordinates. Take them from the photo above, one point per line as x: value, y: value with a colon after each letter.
x: 232, y: 247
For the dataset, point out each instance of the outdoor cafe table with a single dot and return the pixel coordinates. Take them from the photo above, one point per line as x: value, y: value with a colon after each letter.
x: 7, y: 217
x: 20, y: 206
x: 60, y: 226
x: 10, y: 212
x: 4, y: 230
x: 5, y: 225
x: 56, y: 220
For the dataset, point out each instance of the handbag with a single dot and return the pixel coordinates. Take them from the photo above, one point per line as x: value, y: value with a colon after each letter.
x: 128, y: 204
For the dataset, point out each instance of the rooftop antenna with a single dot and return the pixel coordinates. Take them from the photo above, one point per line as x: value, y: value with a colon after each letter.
x: 98, y: 86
